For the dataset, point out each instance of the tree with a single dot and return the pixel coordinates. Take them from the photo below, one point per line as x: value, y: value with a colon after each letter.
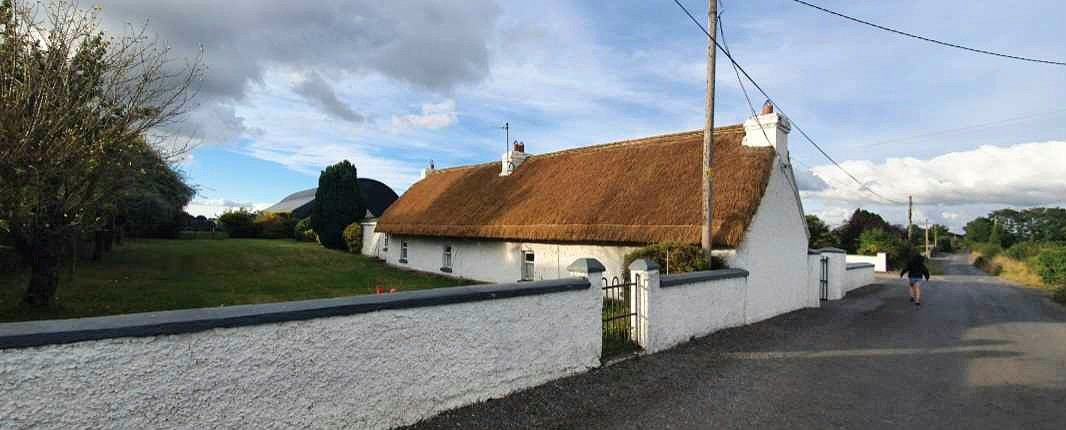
x: 878, y: 240
x: 338, y: 203
x: 860, y: 221
x: 978, y: 230
x: 73, y: 103
x: 819, y: 234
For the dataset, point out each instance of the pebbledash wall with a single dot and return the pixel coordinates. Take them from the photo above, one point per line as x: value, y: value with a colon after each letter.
x: 363, y: 362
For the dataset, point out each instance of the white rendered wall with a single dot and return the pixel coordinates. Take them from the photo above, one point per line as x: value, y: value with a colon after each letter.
x: 368, y: 371
x: 814, y: 279
x: 678, y: 313
x: 857, y: 278
x: 371, y: 240
x: 838, y: 277
x: 880, y: 261
x: 500, y: 261
x: 774, y: 251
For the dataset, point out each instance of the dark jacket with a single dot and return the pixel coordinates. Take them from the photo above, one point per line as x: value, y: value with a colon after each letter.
x: 916, y: 268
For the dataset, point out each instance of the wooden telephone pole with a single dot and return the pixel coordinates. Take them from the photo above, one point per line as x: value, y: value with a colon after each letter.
x: 708, y: 133
x: 910, y: 218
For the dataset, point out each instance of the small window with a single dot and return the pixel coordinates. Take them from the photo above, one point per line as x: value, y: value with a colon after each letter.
x: 403, y: 251
x: 385, y: 243
x: 527, y: 265
x: 446, y: 259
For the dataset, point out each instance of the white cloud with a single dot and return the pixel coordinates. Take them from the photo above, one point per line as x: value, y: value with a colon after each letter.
x: 433, y: 116
x: 1026, y: 174
x: 212, y: 208
x: 950, y: 215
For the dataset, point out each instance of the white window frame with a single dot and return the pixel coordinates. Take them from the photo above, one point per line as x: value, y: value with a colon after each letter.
x: 529, y: 265
x: 403, y: 251
x: 446, y: 258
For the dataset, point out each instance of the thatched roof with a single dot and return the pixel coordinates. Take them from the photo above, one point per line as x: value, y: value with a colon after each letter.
x: 635, y: 191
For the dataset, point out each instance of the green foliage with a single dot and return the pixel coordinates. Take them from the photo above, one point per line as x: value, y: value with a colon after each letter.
x: 988, y: 250
x: 1051, y: 266
x: 1023, y: 251
x: 239, y: 223
x: 353, y: 237
x: 675, y: 257
x: 861, y: 221
x: 337, y: 204
x: 304, y: 232
x: 1059, y: 294
x: 877, y: 240
x: 272, y: 225
x: 978, y: 230
x: 819, y: 234
x: 996, y: 236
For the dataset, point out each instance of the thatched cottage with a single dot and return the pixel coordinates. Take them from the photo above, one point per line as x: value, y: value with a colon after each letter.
x: 528, y: 216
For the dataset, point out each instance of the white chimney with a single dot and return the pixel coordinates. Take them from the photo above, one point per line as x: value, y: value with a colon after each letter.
x: 513, y: 158
x: 428, y: 170
x: 768, y: 129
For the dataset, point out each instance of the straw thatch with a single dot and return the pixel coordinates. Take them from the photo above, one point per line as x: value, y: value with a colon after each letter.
x: 636, y: 191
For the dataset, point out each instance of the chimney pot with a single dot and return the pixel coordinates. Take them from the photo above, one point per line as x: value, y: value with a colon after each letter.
x: 767, y: 108
x: 519, y: 146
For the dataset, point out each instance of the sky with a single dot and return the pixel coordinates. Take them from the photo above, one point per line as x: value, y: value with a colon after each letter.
x: 292, y: 87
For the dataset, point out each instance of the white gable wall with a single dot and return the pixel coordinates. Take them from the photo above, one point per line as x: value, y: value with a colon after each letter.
x: 498, y: 261
x: 774, y: 251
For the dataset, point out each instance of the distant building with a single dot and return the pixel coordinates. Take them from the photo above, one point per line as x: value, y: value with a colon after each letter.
x: 376, y: 196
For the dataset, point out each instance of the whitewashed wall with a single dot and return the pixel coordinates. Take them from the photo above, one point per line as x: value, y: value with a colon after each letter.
x: 499, y: 261
x: 774, y: 251
x: 858, y: 275
x: 880, y: 261
x: 814, y: 279
x: 368, y: 371
x: 678, y: 313
x: 371, y: 240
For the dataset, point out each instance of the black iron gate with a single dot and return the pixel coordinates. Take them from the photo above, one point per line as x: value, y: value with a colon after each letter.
x: 824, y: 280
x: 620, y: 309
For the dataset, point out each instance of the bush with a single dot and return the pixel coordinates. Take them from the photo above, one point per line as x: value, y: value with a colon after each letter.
x: 337, y: 204
x: 353, y: 237
x: 682, y: 258
x: 272, y: 225
x: 988, y: 250
x: 1059, y: 294
x: 1051, y: 266
x: 878, y: 240
x: 196, y: 234
x: 10, y: 261
x: 988, y: 265
x: 1023, y: 251
x: 239, y: 224
x: 304, y: 232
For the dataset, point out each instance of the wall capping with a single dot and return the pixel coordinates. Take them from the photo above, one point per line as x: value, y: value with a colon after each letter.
x: 666, y: 281
x: 854, y: 266
x: 51, y: 332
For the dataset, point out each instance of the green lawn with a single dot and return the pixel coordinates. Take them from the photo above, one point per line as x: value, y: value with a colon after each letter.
x: 154, y: 275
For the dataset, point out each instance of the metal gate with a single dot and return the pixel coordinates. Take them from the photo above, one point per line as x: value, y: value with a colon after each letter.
x: 620, y: 310
x: 824, y: 282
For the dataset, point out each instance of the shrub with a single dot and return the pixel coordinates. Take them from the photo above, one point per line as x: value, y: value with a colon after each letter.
x: 988, y: 250
x: 1022, y: 251
x: 10, y: 261
x: 878, y: 240
x: 988, y: 265
x: 353, y: 237
x: 239, y: 223
x: 337, y: 204
x: 304, y: 232
x: 272, y: 225
x: 1051, y: 266
x: 681, y: 257
x: 1059, y: 294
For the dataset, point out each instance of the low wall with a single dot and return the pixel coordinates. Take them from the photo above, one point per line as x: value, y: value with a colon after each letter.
x: 858, y: 275
x: 361, y: 362
x: 691, y: 305
x: 880, y: 261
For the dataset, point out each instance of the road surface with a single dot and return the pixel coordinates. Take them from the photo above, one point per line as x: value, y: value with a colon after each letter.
x: 979, y: 353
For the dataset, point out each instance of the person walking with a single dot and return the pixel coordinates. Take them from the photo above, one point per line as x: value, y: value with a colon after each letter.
x: 915, y: 271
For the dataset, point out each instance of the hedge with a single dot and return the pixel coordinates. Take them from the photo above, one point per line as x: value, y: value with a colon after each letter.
x: 353, y: 237
x: 675, y: 257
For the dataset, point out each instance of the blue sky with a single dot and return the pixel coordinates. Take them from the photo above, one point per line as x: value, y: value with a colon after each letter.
x: 294, y: 86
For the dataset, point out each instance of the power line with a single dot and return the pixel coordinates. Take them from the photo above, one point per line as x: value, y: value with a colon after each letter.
x: 778, y: 107
x: 973, y: 127
x: 931, y: 40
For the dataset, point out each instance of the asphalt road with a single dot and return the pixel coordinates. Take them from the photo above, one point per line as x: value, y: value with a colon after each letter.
x: 979, y: 353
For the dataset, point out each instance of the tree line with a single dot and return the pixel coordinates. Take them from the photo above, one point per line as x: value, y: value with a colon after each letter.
x: 868, y: 233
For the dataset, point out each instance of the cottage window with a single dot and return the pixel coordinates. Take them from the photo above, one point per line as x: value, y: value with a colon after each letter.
x: 385, y: 243
x: 446, y: 259
x: 527, y: 265
x: 403, y: 251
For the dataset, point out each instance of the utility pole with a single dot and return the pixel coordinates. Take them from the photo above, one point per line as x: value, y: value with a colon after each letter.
x: 708, y: 133
x: 910, y: 216
x: 928, y: 254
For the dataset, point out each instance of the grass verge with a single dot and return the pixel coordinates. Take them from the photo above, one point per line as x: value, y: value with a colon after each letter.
x: 155, y: 275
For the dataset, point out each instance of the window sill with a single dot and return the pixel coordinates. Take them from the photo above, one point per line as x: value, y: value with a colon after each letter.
x: 446, y: 269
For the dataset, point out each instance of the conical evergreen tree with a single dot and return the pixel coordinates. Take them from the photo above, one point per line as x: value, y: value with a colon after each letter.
x: 338, y: 203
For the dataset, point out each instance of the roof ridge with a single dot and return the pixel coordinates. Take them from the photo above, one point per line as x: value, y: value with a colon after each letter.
x: 609, y: 145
